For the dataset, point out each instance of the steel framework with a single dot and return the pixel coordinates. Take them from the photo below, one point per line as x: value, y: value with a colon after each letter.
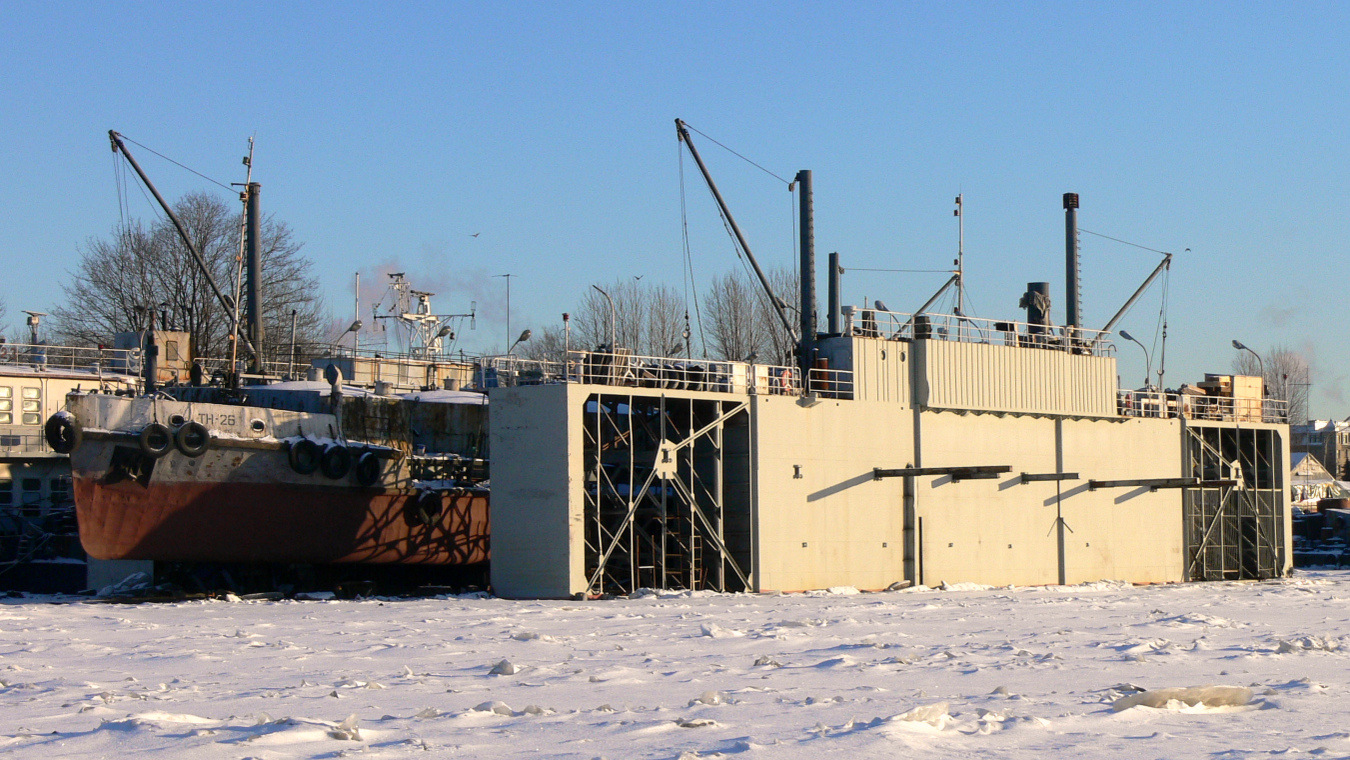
x: 1234, y: 532
x: 667, y: 481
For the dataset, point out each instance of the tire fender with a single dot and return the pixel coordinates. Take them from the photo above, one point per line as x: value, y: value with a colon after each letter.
x: 192, y: 439
x: 155, y: 440
x: 63, y: 432
x: 304, y: 456
x: 335, y: 461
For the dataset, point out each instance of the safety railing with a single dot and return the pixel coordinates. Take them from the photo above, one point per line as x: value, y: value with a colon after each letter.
x: 44, y: 357
x: 890, y: 325
x: 21, y: 444
x: 1140, y: 403
x: 508, y: 370
x: 830, y: 383
x: 623, y: 368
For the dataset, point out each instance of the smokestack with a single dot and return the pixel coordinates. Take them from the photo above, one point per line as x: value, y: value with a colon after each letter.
x: 808, y: 272
x: 1073, y: 306
x: 833, y: 286
x: 1037, y: 303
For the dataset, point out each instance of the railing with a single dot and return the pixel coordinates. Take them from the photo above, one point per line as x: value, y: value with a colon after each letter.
x: 213, y: 367
x: 22, y: 444
x: 892, y: 325
x: 119, y: 360
x: 1134, y: 403
x: 509, y: 370
x: 623, y: 368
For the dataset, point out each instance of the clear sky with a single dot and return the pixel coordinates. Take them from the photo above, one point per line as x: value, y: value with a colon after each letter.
x: 388, y: 134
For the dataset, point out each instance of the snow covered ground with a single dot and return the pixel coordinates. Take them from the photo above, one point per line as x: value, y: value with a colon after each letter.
x: 965, y: 672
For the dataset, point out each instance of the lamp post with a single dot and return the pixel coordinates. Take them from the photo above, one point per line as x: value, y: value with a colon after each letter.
x: 1148, y: 362
x: 508, y: 308
x: 611, y: 316
x: 1239, y: 346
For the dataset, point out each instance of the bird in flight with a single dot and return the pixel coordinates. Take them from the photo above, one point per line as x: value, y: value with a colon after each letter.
x: 476, y: 234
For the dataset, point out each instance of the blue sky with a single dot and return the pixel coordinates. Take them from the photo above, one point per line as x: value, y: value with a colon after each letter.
x: 388, y: 134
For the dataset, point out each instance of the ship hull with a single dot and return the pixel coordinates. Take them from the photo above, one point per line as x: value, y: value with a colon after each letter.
x: 253, y: 522
x: 243, y: 497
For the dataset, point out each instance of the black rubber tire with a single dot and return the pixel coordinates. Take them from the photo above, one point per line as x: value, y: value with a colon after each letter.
x: 429, y: 508
x: 192, y: 439
x: 64, y: 432
x: 367, y: 469
x: 155, y: 440
x: 335, y: 461
x: 304, y: 456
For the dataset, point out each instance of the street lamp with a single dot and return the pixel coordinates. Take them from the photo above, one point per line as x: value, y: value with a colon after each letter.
x: 1148, y: 362
x: 611, y: 316
x: 524, y: 336
x: 1238, y: 345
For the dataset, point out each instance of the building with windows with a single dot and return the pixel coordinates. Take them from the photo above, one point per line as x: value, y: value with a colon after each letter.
x: 39, y: 538
x: 1328, y: 440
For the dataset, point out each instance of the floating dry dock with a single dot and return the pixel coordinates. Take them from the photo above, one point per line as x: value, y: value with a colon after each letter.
x: 934, y: 449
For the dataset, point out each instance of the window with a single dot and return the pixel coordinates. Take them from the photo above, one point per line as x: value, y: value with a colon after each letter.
x: 171, y: 351
x: 6, y: 492
x: 32, y: 497
x: 60, y: 487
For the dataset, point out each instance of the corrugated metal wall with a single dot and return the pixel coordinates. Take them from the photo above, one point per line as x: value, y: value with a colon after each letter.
x: 977, y: 376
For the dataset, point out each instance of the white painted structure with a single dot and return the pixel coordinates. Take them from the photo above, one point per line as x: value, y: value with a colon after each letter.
x: 768, y: 485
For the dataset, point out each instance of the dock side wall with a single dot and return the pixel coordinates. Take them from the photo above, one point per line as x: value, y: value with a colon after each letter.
x: 1003, y: 531
x: 536, y: 509
x: 823, y: 520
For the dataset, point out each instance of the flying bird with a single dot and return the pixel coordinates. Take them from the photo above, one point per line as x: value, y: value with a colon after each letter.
x: 476, y: 234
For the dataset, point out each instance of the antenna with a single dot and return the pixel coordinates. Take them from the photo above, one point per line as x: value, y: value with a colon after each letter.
x: 960, y: 258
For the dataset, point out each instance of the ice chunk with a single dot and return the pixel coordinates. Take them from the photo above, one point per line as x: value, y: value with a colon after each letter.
x: 503, y: 668
x: 347, y: 730
x: 709, y: 698
x: 1207, y: 696
x: 500, y: 708
x: 934, y: 715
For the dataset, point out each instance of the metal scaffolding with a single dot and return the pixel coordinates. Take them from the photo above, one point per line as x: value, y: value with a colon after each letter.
x: 1234, y: 532
x: 667, y: 482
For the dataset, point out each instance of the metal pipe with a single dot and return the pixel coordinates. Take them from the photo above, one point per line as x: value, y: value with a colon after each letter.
x: 290, y: 366
x: 833, y: 286
x: 807, y: 338
x: 735, y: 229
x: 182, y: 232
x: 1072, y: 269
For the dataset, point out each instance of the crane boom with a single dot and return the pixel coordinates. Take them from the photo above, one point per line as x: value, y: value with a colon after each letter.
x: 736, y: 230
x: 119, y: 147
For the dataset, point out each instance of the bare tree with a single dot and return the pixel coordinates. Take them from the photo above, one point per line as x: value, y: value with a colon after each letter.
x: 1286, y: 375
x: 648, y: 319
x: 139, y: 268
x: 740, y: 321
x: 733, y: 326
x: 546, y: 345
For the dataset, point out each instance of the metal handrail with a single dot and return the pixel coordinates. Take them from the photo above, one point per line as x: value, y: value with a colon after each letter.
x: 56, y: 357
x: 1141, y: 403
x: 892, y: 325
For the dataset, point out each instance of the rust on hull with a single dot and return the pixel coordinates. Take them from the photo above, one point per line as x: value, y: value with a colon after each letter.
x: 275, y: 522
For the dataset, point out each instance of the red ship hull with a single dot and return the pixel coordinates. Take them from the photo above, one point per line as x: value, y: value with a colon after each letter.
x: 279, y: 522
